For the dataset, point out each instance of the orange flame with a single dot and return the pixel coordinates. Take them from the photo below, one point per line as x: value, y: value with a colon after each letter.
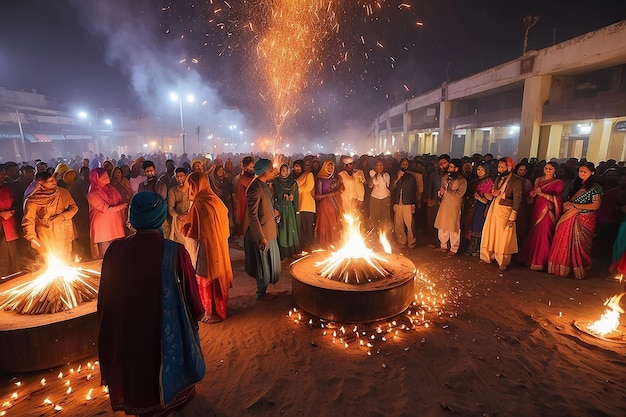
x: 609, y: 322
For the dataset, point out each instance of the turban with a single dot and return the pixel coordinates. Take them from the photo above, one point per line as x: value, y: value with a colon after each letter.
x: 261, y: 166
x: 61, y: 168
x: 348, y: 160
x: 147, y: 211
x: 509, y: 162
x: 69, y: 177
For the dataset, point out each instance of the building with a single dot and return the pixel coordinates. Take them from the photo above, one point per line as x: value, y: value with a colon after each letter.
x: 35, y: 126
x: 567, y: 100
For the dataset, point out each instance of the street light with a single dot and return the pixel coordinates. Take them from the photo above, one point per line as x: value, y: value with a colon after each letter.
x: 85, y: 116
x: 190, y: 99
x: 109, y: 123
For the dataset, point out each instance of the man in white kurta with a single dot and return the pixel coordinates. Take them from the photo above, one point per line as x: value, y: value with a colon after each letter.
x: 353, y: 192
x: 448, y: 220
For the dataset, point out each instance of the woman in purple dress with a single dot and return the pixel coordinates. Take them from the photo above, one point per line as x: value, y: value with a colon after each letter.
x: 477, y: 209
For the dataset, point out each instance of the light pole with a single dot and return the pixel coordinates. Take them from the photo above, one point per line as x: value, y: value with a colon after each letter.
x: 83, y: 115
x: 190, y: 98
x: 109, y: 123
x: 529, y: 21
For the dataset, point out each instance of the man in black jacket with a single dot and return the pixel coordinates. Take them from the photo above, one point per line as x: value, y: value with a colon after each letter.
x: 404, y: 190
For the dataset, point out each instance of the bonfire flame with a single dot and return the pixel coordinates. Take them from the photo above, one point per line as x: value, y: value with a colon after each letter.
x: 59, y: 287
x: 354, y: 263
x: 609, y: 322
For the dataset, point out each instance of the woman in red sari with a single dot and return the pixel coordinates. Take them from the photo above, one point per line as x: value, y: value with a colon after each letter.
x: 548, y: 195
x: 208, y: 225
x: 8, y: 229
x: 328, y: 196
x: 571, y: 246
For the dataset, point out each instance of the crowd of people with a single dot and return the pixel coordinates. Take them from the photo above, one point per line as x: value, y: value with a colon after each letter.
x: 545, y: 215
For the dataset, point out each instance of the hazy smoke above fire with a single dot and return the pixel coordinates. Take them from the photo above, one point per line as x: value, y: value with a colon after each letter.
x: 132, y: 33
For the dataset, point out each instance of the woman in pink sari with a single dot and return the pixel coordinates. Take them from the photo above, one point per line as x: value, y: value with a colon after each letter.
x: 106, y: 210
x: 328, y: 190
x: 548, y: 195
x: 571, y: 246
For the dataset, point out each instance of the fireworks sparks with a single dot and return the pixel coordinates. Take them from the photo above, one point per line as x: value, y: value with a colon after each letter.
x: 292, y: 47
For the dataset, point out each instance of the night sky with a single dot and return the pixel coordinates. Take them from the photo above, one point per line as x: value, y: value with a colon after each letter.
x: 125, y: 54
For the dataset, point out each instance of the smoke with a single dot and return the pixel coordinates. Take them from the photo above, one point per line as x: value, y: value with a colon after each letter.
x: 135, y: 44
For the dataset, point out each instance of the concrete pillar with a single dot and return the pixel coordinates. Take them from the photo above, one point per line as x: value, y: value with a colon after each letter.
x: 470, y: 142
x: 554, y: 143
x: 599, y: 138
x: 536, y: 92
x: 444, y: 139
x: 388, y: 134
x: 406, y: 116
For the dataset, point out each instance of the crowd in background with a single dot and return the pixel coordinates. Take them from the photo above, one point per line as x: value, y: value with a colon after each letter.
x: 450, y: 204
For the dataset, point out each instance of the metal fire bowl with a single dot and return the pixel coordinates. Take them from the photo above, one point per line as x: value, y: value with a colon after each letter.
x: 353, y: 303
x: 35, y: 342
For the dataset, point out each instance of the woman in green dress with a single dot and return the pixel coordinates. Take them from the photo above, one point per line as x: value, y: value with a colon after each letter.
x: 286, y: 202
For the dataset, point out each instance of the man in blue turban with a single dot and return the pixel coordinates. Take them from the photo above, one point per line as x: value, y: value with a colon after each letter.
x: 150, y: 355
x: 260, y: 231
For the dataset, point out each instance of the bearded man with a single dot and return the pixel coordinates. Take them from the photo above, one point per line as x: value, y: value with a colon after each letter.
x: 245, y: 178
x: 353, y: 192
x: 404, y: 190
x: 499, y: 237
x: 48, y: 212
x: 448, y: 220
x: 178, y: 204
x: 260, y: 230
x: 433, y: 200
x: 151, y: 182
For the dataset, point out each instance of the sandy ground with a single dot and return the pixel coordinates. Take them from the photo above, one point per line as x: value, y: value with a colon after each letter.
x: 502, y: 344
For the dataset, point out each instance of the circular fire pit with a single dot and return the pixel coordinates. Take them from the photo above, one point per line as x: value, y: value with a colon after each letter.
x: 34, y: 342
x: 368, y: 301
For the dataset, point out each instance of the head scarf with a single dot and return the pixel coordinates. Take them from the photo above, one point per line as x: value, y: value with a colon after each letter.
x: 509, y: 162
x: 288, y: 183
x: 69, y: 177
x: 99, y: 184
x: 208, y: 217
x: 322, y: 172
x: 61, y: 169
x: 147, y: 211
x: 193, y: 161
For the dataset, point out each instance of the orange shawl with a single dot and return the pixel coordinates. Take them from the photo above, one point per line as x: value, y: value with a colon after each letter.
x: 209, y: 223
